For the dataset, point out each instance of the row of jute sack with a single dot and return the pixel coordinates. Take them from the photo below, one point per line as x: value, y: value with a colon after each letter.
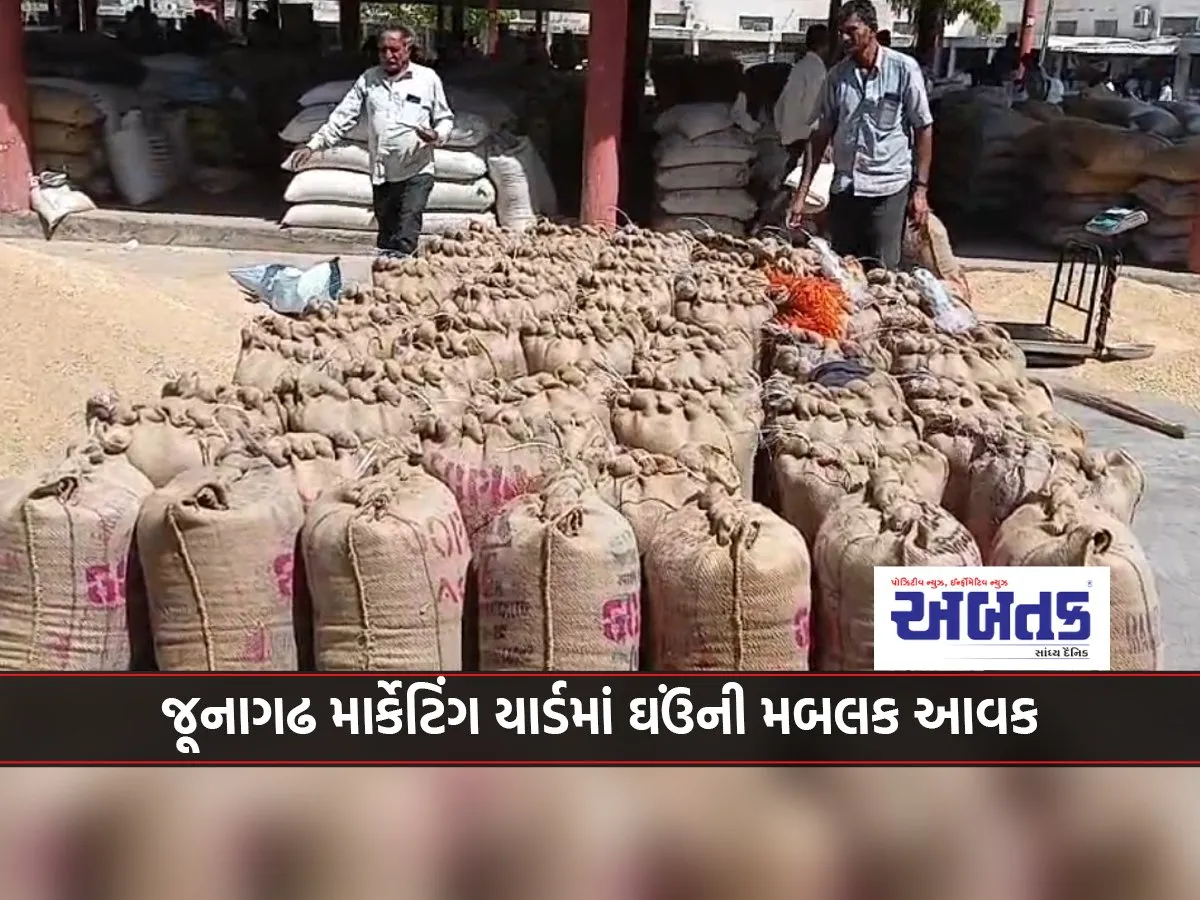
x: 236, y: 574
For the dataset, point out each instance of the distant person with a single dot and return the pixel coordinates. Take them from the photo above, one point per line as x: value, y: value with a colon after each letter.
x: 1006, y: 59
x: 407, y: 116
x: 875, y: 116
x: 564, y: 52
x: 1166, y: 93
x: 885, y: 38
x: 1040, y: 84
x: 798, y: 105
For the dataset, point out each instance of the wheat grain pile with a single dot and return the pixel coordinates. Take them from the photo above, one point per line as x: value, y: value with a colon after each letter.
x: 72, y: 328
x: 1142, y: 312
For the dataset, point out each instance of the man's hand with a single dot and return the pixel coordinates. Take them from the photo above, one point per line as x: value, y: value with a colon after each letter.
x: 795, y: 217
x: 297, y: 159
x: 918, y: 207
x: 428, y: 135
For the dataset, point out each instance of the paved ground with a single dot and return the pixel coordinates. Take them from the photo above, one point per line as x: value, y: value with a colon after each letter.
x: 1168, y: 521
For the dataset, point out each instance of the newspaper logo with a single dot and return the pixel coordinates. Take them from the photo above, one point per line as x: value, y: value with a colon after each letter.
x: 1002, y: 619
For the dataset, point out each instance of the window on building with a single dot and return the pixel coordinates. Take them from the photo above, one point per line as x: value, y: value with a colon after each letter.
x: 1066, y: 27
x: 1172, y: 25
x: 756, y: 23
x: 670, y: 20
x: 1105, y: 27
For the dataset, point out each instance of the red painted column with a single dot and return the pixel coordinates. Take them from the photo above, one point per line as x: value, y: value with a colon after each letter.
x: 14, y: 111
x: 1029, y: 15
x: 493, y: 27
x: 607, y: 36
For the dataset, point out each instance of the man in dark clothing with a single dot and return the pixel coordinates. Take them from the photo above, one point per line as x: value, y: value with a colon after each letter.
x: 1006, y: 60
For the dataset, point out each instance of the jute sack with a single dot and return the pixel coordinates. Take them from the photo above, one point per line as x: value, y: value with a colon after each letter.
x: 416, y: 277
x: 492, y: 454
x: 626, y: 290
x: 217, y: 547
x: 356, y: 399
x: 945, y: 357
x: 929, y: 247
x: 559, y: 584
x: 809, y: 412
x: 646, y: 487
x: 235, y: 408
x: 605, y: 339
x: 1016, y: 466
x: 469, y: 347
x: 727, y: 588
x: 665, y: 333
x: 66, y: 533
x: 162, y: 439
x: 840, y: 384
x: 1059, y: 528
x: 265, y: 356
x: 314, y: 462
x: 794, y: 352
x: 886, y: 525
x: 569, y: 390
x: 813, y: 477
x: 512, y: 292
x: 663, y: 421
x: 386, y: 558
x: 704, y: 297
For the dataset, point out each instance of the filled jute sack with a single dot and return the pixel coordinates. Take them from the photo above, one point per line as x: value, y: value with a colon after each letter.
x: 795, y: 352
x: 559, y: 583
x: 626, y: 290
x: 569, y: 390
x: 234, y: 407
x: 727, y: 588
x: 885, y: 525
x: 218, y: 548
x: 663, y: 421
x: 313, y: 462
x: 1015, y: 466
x: 165, y: 438
x: 467, y: 346
x: 1060, y: 528
x: 813, y: 477
x: 493, y: 454
x: 810, y: 412
x: 716, y: 297
x: 929, y: 247
x: 386, y: 557
x: 265, y: 356
x: 646, y: 487
x: 741, y: 389
x: 605, y: 339
x: 511, y: 292
x: 853, y: 386
x: 422, y: 278
x: 959, y: 360
x: 666, y: 334
x: 66, y: 533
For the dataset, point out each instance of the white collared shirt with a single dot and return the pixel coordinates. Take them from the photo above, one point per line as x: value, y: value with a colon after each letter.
x: 394, y: 106
x: 798, y: 105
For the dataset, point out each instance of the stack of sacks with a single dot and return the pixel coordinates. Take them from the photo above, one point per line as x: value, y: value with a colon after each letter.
x: 1082, y: 168
x: 333, y: 189
x: 128, y: 134
x: 1124, y: 112
x: 66, y: 134
x: 524, y: 189
x: 770, y: 159
x: 976, y: 169
x: 1168, y: 194
x: 1186, y: 113
x: 704, y: 156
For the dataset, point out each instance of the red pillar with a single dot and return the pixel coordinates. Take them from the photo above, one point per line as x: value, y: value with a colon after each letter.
x: 607, y: 35
x: 14, y: 111
x: 493, y: 26
x: 1028, y: 26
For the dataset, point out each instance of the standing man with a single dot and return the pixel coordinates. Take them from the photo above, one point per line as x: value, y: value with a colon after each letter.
x: 873, y: 101
x: 407, y: 117
x: 797, y: 108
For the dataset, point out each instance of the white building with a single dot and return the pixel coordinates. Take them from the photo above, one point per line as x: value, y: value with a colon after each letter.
x: 1132, y: 19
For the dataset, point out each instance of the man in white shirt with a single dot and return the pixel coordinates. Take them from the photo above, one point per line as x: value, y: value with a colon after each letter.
x: 796, y: 109
x: 1167, y: 93
x: 407, y: 117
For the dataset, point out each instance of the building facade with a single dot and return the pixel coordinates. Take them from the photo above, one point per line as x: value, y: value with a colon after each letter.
x: 1131, y: 19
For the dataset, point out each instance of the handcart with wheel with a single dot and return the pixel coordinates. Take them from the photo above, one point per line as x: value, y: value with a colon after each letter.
x: 1084, y: 281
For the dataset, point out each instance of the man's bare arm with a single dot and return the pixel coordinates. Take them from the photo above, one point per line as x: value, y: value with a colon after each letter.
x: 923, y: 145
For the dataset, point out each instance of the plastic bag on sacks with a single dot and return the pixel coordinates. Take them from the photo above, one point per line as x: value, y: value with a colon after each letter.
x: 53, y: 198
x: 291, y: 291
x: 947, y: 315
x: 833, y: 268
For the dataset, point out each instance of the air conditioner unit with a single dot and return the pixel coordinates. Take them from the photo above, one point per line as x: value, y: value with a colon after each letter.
x: 1143, y: 17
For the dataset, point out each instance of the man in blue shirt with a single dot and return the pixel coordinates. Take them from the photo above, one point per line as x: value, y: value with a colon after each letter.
x: 875, y: 117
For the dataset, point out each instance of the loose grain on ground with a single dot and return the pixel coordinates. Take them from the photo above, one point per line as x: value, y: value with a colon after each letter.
x: 73, y: 328
x: 1141, y: 312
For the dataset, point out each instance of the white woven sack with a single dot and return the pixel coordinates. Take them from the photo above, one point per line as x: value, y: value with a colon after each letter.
x: 443, y: 222
x: 330, y: 215
x: 329, y: 186
x: 112, y: 101
x: 324, y: 94
x: 458, y: 165
x: 514, y: 192
x: 457, y: 196
x: 470, y: 130
x: 731, y: 146
x: 701, y: 225
x: 346, y: 156
x: 694, y: 120
x: 139, y: 160
x: 727, y: 202
x: 719, y: 175
x: 306, y: 122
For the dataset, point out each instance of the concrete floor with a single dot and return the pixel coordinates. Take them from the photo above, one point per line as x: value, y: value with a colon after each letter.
x: 1168, y: 522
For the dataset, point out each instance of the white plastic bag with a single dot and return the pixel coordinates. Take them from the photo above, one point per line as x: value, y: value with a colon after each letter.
x: 832, y: 266
x: 291, y: 291
x: 947, y: 315
x: 53, y: 198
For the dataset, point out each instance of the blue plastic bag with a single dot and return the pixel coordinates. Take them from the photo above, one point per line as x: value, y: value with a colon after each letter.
x: 291, y: 291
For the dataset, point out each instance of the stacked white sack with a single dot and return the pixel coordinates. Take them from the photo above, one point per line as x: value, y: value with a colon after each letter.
x: 333, y: 188
x: 704, y: 157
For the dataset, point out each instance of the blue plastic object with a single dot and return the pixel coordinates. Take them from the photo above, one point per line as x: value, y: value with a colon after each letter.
x: 291, y: 291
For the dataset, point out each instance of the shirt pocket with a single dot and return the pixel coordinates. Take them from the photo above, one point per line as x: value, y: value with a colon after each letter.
x: 887, y: 114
